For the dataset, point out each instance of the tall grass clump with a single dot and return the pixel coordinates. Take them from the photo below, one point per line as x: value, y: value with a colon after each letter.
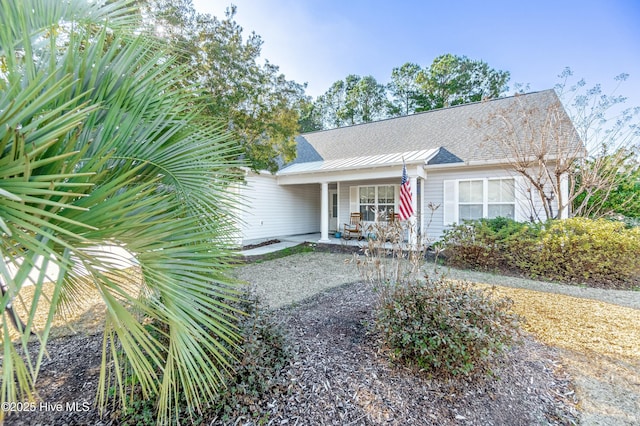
x: 426, y: 321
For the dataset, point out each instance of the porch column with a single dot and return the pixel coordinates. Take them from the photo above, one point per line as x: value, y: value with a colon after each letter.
x: 423, y: 232
x: 413, y: 236
x: 324, y: 213
x: 414, y: 194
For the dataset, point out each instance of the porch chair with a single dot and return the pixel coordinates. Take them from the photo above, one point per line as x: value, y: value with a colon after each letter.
x: 394, y: 227
x: 393, y: 218
x: 354, y: 227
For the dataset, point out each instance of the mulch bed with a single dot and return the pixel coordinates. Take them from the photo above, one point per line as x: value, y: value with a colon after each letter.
x: 341, y: 376
x: 338, y: 376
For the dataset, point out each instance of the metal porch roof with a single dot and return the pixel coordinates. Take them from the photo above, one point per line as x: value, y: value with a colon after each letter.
x: 361, y: 162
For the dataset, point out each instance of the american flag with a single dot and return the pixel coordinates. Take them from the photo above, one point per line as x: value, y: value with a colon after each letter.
x: 406, y: 205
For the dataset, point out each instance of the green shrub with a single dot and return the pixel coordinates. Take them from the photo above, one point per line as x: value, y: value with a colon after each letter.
x: 471, y: 244
x: 483, y: 244
x: 263, y: 355
x: 444, y: 327
x: 599, y: 252
x: 596, y: 252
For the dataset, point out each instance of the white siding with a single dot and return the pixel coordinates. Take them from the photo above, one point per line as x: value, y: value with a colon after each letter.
x: 273, y: 210
x: 450, y: 202
x: 434, y: 192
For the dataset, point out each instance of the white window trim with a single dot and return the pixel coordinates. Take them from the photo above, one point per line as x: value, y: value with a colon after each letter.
x: 451, y: 198
x: 354, y: 196
x: 502, y: 203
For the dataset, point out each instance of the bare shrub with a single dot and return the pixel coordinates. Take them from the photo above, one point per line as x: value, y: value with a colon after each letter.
x: 429, y: 322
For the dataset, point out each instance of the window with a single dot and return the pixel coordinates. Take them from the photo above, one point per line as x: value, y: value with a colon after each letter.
x: 376, y: 198
x: 386, y: 200
x: 470, y: 199
x: 501, y: 198
x: 479, y: 198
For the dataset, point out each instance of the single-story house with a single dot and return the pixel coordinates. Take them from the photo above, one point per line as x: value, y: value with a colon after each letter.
x: 455, y: 172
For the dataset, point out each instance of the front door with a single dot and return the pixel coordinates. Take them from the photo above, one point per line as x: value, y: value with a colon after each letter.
x: 333, y: 210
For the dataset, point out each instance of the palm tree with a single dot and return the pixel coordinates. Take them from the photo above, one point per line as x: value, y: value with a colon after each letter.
x: 100, y: 147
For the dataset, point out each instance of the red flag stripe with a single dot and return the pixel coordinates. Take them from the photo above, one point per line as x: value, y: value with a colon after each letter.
x: 406, y: 205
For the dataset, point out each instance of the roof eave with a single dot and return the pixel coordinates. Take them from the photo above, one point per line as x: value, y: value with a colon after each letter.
x: 352, y: 168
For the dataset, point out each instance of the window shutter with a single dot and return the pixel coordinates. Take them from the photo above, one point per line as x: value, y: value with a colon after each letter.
x: 353, y: 200
x: 450, y: 202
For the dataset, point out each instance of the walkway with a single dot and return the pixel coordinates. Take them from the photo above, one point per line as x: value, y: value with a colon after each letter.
x: 292, y: 241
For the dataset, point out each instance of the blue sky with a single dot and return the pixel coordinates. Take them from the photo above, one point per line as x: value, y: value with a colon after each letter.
x: 322, y: 41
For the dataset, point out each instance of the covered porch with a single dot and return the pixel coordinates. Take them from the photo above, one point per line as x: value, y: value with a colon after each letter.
x: 344, y: 184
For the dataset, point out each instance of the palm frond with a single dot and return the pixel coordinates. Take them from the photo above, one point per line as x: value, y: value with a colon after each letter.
x: 99, y: 148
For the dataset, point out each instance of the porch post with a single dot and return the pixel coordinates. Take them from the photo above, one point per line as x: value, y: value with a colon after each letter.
x: 414, y: 218
x: 324, y: 213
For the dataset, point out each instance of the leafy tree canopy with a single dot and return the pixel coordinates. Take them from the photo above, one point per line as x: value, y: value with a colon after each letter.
x: 257, y: 103
x: 350, y: 101
x: 404, y: 89
x: 450, y: 80
x: 454, y: 80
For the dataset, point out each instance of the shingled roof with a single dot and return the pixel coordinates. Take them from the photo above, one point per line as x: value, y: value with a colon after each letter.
x: 449, y: 128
